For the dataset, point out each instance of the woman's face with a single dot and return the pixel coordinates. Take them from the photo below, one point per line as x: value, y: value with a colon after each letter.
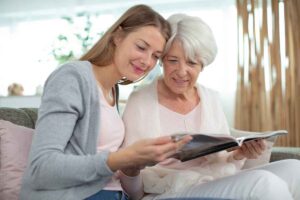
x: 180, y: 74
x: 137, y: 53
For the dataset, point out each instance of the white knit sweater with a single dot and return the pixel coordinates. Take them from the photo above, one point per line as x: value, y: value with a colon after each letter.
x: 142, y: 120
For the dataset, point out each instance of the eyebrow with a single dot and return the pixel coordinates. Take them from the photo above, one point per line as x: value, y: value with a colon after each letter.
x: 170, y: 56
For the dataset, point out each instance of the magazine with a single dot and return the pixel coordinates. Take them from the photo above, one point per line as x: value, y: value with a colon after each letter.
x: 204, y: 144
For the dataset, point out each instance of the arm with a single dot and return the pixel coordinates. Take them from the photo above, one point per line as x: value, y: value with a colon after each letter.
x: 140, y: 123
x: 133, y: 185
x: 54, y: 161
x: 224, y: 128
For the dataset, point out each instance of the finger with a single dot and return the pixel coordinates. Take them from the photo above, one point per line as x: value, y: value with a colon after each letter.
x: 162, y: 140
x: 245, y: 151
x: 257, y: 146
x: 168, y: 148
x: 166, y: 151
x: 252, y: 149
x: 180, y: 144
x: 263, y: 144
x: 183, y: 141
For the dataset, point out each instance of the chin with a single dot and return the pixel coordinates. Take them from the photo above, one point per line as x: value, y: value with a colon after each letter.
x: 134, y: 78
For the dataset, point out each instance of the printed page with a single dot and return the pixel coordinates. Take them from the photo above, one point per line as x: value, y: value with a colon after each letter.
x: 269, y: 135
x: 202, y: 145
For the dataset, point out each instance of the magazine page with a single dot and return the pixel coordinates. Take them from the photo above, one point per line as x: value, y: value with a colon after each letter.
x: 203, y: 144
x: 269, y: 135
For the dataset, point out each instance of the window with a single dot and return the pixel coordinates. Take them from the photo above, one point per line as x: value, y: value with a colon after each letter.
x: 28, y: 36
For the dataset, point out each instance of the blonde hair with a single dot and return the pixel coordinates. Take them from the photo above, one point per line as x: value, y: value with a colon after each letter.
x: 196, y: 37
x: 138, y: 16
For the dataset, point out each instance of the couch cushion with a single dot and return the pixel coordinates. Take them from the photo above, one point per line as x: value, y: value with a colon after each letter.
x: 279, y: 153
x: 15, y: 144
x: 24, y: 116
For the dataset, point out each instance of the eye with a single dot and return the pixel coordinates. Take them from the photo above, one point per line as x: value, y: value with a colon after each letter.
x: 156, y: 57
x: 192, y: 63
x: 173, y: 61
x: 140, y: 47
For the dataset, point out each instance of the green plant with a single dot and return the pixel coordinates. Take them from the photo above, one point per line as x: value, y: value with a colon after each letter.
x: 68, y: 46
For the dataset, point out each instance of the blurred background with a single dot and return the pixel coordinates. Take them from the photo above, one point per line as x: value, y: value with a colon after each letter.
x: 256, y: 70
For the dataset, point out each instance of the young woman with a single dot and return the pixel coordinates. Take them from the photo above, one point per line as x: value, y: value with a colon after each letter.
x: 75, y: 151
x: 175, y: 103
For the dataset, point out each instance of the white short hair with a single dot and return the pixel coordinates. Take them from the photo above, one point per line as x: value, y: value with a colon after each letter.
x: 196, y: 37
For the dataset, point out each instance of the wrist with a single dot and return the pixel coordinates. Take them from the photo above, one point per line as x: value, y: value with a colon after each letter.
x: 131, y: 172
x: 237, y: 156
x: 111, y: 161
x: 117, y: 160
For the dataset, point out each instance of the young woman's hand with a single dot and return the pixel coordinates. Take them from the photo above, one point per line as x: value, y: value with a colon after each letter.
x: 146, y: 152
x: 250, y: 150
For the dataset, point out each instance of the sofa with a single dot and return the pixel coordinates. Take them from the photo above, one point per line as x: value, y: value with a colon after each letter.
x: 25, y: 119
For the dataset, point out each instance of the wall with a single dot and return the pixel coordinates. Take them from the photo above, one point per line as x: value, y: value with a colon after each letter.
x: 20, y: 101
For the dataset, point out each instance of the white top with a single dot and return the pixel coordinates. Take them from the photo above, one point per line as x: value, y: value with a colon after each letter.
x: 112, y: 135
x: 145, y: 118
x: 184, y: 122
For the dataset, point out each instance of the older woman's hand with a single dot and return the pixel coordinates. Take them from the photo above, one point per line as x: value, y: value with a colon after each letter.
x: 251, y: 149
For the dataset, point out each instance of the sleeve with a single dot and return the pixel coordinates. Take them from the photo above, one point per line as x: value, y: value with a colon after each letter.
x: 133, y: 116
x: 133, y: 186
x: 134, y: 126
x: 224, y: 126
x: 51, y: 165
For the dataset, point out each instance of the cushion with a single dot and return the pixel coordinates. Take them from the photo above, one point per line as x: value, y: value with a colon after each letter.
x: 15, y: 144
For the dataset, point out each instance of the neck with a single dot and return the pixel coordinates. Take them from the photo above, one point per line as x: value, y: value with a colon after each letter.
x: 106, y: 76
x: 186, y: 96
x: 180, y: 103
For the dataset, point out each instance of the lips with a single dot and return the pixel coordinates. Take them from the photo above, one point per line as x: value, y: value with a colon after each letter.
x: 138, y: 70
x: 180, y: 82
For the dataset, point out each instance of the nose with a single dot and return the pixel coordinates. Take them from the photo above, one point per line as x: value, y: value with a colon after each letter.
x: 147, y: 60
x: 182, y: 70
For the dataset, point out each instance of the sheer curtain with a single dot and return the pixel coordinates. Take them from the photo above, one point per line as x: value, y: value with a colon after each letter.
x: 268, y: 86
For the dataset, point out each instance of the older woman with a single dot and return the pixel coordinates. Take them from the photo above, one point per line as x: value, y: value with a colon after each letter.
x: 175, y: 103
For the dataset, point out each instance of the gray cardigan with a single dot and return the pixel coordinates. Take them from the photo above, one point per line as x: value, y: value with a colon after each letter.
x: 63, y: 162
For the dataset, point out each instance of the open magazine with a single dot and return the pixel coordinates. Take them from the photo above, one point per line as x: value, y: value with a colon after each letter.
x: 203, y: 144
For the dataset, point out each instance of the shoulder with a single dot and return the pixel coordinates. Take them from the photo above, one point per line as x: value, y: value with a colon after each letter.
x: 207, y: 92
x: 144, y: 91
x: 74, y: 79
x: 79, y: 68
x: 143, y: 97
x: 70, y: 86
x: 72, y: 72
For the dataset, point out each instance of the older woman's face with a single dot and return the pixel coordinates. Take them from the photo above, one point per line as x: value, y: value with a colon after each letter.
x: 180, y: 74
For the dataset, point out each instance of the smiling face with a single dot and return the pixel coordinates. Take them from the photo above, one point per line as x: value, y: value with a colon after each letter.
x: 180, y: 73
x: 137, y: 53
